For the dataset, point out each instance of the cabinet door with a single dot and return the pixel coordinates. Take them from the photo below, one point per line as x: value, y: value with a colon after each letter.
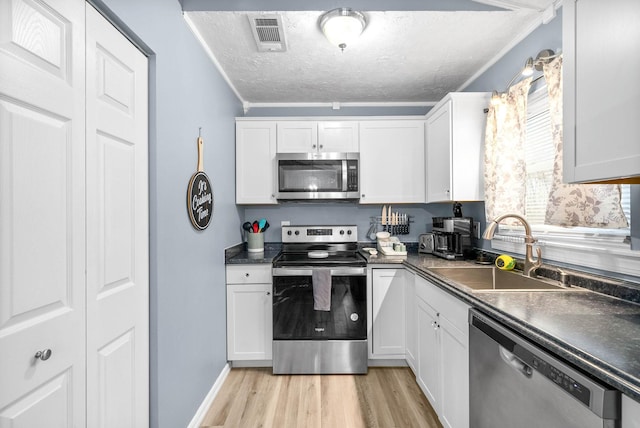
x: 428, y: 353
x: 255, y: 162
x: 297, y: 136
x: 454, y: 385
x: 601, y: 98
x: 388, y: 311
x: 392, y: 163
x: 439, y: 154
x: 630, y: 413
x: 249, y: 323
x: 411, y: 330
x: 338, y: 136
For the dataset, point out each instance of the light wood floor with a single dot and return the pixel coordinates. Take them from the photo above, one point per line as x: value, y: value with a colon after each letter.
x: 384, y: 398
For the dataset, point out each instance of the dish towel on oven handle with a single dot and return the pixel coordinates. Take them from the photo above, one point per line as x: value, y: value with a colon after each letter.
x: 321, y: 282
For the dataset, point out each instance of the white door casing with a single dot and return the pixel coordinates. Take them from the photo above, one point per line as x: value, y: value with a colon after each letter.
x: 42, y: 218
x: 117, y: 228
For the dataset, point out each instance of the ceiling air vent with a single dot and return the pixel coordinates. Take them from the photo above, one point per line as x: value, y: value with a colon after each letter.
x: 268, y: 32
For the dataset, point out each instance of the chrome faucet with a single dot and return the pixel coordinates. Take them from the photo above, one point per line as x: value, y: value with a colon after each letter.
x: 530, y: 265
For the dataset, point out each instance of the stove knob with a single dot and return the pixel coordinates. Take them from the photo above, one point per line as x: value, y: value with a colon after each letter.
x: 297, y: 232
x: 348, y: 232
x: 342, y: 232
x: 289, y: 232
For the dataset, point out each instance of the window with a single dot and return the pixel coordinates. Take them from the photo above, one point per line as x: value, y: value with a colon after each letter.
x: 600, y: 249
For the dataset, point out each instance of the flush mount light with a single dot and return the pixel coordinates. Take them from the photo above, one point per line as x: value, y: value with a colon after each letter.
x: 342, y: 26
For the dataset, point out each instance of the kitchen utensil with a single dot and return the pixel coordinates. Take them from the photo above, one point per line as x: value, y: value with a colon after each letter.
x: 255, y: 227
x: 266, y: 226
x: 261, y: 224
x: 247, y: 226
x: 200, y: 194
x: 383, y: 218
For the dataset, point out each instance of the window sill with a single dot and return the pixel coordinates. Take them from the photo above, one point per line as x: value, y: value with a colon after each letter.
x: 596, y: 255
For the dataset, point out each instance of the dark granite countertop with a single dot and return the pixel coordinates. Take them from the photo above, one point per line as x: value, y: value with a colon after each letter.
x: 238, y: 254
x: 596, y: 332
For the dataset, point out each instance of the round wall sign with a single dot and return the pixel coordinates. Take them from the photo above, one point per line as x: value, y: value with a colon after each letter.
x: 200, y: 195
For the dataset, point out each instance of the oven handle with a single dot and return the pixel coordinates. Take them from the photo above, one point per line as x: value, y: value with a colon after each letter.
x: 339, y: 271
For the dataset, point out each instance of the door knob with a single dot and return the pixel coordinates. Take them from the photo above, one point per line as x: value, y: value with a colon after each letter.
x: 43, y: 355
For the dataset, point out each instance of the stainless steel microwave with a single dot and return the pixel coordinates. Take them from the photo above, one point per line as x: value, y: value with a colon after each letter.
x: 317, y: 176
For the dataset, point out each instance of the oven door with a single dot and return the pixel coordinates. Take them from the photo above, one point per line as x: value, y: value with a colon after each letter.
x: 317, y: 176
x: 294, y: 317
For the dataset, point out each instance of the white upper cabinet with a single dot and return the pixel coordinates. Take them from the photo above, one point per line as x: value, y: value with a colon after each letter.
x: 255, y: 162
x: 297, y: 136
x: 455, y: 136
x: 601, y: 90
x: 338, y: 136
x: 392, y: 163
x: 308, y: 136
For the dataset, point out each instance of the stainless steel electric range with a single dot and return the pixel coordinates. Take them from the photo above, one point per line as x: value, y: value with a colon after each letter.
x: 319, y: 302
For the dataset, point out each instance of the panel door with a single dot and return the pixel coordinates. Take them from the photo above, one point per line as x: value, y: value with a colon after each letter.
x: 297, y: 136
x: 388, y: 312
x: 454, y: 410
x: 255, y: 162
x: 338, y: 136
x: 439, y: 140
x: 392, y: 162
x: 601, y: 99
x: 117, y: 229
x: 429, y: 353
x: 249, y: 322
x: 42, y: 223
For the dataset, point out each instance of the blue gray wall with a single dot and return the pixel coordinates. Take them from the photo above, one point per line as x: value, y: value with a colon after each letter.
x: 187, y: 278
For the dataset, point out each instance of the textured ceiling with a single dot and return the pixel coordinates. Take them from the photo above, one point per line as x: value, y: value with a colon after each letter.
x: 401, y: 57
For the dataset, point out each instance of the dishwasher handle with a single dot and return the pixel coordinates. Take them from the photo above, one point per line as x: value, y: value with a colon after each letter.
x: 515, y: 362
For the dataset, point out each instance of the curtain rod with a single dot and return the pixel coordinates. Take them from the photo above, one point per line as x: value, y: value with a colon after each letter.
x: 486, y: 110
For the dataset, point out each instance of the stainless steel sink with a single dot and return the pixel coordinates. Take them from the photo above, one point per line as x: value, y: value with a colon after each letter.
x: 489, y: 278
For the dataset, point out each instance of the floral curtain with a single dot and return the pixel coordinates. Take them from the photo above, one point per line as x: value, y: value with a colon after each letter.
x: 505, y: 169
x: 587, y: 205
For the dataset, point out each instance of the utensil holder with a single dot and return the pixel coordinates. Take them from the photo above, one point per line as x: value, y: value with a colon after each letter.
x: 255, y: 242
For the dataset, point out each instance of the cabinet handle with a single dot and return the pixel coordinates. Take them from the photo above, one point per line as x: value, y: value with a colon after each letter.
x: 247, y: 274
x: 43, y: 355
x: 313, y: 146
x: 321, y: 146
x: 268, y: 293
x: 363, y: 195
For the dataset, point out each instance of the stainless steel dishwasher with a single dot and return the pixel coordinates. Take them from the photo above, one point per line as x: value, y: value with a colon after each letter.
x: 514, y: 383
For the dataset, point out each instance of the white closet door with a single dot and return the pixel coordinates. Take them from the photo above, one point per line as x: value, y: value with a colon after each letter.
x: 42, y: 217
x: 117, y: 229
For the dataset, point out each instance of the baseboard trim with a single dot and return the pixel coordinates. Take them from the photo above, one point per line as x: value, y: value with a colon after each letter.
x: 202, y: 410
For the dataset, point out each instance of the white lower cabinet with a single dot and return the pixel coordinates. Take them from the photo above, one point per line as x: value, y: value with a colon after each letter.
x: 249, y: 312
x: 443, y: 353
x: 387, y: 308
x: 630, y: 412
x: 411, y: 320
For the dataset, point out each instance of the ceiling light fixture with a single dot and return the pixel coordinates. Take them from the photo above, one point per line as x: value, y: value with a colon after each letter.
x: 342, y: 26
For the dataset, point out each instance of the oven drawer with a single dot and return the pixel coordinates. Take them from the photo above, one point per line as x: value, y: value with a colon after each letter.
x: 249, y: 274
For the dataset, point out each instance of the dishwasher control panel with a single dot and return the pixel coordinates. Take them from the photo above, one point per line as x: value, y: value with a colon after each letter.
x: 562, y: 380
